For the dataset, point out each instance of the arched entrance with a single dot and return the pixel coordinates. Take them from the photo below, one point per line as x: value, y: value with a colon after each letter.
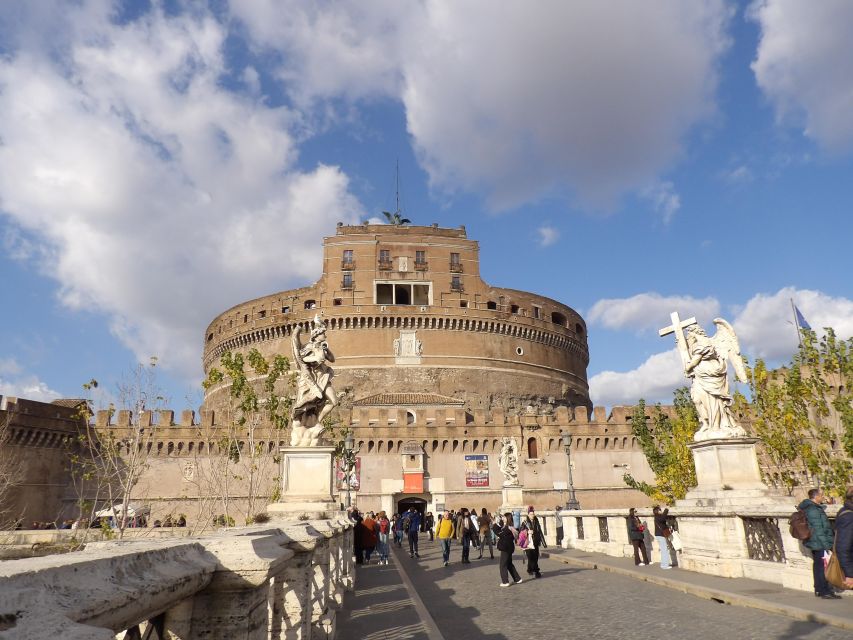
x: 406, y: 503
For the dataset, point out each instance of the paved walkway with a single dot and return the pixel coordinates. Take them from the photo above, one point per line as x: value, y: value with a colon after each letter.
x: 421, y: 599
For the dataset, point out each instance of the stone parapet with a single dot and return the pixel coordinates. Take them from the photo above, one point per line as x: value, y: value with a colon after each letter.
x: 285, y: 581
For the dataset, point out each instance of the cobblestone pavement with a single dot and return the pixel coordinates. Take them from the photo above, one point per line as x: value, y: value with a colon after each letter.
x: 466, y: 602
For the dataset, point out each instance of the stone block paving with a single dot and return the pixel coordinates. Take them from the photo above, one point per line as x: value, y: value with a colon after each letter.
x: 465, y: 601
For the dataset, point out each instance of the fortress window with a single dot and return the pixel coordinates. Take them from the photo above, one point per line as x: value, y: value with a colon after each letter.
x: 491, y: 304
x: 246, y: 318
x: 285, y: 309
x: 455, y: 264
x: 463, y: 304
x: 513, y: 308
x: 310, y: 304
x: 579, y: 329
x: 346, y: 261
x: 532, y: 448
x: 209, y: 337
x: 346, y: 283
x: 410, y: 417
x: 456, y: 283
x: 537, y: 312
x: 262, y: 314
x: 402, y: 294
x: 558, y: 318
x: 385, y: 259
x: 337, y: 302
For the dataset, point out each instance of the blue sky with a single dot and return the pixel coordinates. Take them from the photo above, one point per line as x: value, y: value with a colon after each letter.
x: 162, y: 161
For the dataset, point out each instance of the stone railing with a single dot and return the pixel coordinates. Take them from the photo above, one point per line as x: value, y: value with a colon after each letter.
x: 751, y: 543
x: 286, y: 580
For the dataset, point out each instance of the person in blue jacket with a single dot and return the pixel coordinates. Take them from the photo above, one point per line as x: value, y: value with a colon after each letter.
x: 819, y: 542
x: 844, y: 538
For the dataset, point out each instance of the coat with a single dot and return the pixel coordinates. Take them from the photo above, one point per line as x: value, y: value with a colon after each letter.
x: 537, y: 538
x: 821, y: 538
x: 660, y: 522
x: 634, y: 532
x: 844, y: 538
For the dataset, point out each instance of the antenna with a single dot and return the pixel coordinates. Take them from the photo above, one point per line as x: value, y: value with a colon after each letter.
x: 397, y: 185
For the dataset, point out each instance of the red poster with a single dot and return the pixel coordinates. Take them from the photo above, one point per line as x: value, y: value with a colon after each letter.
x: 413, y: 483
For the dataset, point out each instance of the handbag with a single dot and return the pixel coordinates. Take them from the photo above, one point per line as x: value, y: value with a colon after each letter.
x: 675, y: 539
x: 666, y: 532
x: 834, y: 574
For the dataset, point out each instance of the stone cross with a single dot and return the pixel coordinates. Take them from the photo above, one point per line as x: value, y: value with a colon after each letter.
x: 677, y: 327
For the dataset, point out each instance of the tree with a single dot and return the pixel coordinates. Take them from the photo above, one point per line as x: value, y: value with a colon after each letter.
x: 395, y: 218
x: 665, y: 447
x: 246, y: 462
x: 11, y: 471
x: 803, y: 413
x: 107, y: 463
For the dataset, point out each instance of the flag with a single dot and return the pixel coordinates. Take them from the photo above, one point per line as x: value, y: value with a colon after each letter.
x: 801, y: 321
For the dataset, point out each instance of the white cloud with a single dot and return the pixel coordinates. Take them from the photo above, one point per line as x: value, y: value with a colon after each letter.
x: 548, y: 235
x: 804, y: 65
x: 738, y: 175
x: 646, y: 311
x: 16, y: 383
x: 653, y: 381
x: 663, y: 198
x: 514, y: 100
x: 158, y: 192
x: 765, y: 323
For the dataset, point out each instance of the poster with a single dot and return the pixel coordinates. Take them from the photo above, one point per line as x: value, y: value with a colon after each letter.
x: 341, y: 476
x: 476, y: 471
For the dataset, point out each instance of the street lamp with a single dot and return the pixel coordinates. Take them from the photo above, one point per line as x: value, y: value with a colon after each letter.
x: 566, y: 439
x: 349, y: 462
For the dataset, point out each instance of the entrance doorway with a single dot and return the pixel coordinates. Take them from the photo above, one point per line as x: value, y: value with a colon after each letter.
x: 406, y: 503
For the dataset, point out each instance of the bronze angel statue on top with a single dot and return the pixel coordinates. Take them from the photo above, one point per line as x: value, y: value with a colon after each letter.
x: 706, y: 364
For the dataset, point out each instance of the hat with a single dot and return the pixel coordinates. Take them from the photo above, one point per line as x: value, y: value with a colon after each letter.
x: 530, y: 509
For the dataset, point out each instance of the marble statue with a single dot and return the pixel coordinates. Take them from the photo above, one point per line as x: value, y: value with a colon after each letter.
x: 315, y: 397
x: 705, y: 364
x: 508, y: 462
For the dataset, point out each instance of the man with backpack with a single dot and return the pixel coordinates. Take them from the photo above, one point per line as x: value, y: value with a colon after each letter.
x: 819, y: 541
x: 411, y: 525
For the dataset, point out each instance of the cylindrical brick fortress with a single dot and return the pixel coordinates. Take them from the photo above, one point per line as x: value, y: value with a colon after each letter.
x: 407, y: 312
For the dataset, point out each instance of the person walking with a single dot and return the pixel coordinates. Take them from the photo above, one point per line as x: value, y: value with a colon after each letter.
x: 844, y: 538
x: 398, y: 529
x: 819, y: 542
x: 559, y: 516
x: 661, y: 535
x: 636, y: 533
x: 506, y: 545
x: 463, y: 534
x: 368, y: 537
x: 429, y: 523
x: 485, y: 522
x: 446, y: 532
x: 537, y: 539
x: 383, y: 529
x: 414, y: 525
x: 358, y: 536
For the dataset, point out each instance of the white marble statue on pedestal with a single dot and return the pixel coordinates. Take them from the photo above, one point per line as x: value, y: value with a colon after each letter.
x: 508, y: 462
x: 315, y: 397
x: 705, y: 364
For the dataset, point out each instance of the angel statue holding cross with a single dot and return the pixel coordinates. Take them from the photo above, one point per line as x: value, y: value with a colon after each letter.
x: 705, y: 363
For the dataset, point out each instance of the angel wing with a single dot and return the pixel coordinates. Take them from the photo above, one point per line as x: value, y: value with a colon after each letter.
x: 727, y: 345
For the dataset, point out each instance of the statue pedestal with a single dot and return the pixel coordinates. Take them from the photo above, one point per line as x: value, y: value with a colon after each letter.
x: 513, y: 498
x: 307, y: 476
x: 727, y: 474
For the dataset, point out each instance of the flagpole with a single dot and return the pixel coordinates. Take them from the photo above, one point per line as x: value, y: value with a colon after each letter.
x: 797, y: 323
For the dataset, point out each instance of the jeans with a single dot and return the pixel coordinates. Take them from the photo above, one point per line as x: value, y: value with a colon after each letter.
x: 466, y: 547
x: 507, y: 568
x: 486, y: 540
x: 821, y: 585
x: 382, y: 547
x: 445, y: 548
x: 664, y: 552
x: 413, y: 542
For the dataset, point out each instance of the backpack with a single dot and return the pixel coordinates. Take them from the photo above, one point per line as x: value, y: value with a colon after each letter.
x: 798, y: 525
x: 523, y: 539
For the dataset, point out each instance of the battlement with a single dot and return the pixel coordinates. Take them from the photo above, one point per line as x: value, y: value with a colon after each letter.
x: 401, y: 230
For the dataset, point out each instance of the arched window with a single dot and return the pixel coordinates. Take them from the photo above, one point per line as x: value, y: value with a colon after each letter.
x: 532, y: 448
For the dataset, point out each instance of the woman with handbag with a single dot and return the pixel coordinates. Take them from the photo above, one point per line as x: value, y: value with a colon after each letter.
x: 662, y: 532
x: 506, y: 545
x: 636, y: 533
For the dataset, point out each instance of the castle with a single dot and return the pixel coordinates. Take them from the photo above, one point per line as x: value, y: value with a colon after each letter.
x: 433, y: 367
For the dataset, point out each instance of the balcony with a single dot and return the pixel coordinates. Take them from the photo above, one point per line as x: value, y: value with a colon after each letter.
x: 455, y: 267
x: 421, y: 266
x: 347, y: 284
x: 386, y: 265
x: 347, y: 265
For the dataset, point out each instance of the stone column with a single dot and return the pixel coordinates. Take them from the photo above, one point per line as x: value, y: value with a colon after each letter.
x: 293, y: 597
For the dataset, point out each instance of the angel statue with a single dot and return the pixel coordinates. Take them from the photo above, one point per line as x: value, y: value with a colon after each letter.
x: 508, y: 461
x: 705, y: 363
x: 315, y: 397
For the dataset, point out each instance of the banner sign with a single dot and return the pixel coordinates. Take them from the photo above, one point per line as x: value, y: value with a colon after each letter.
x: 354, y: 476
x: 476, y: 471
